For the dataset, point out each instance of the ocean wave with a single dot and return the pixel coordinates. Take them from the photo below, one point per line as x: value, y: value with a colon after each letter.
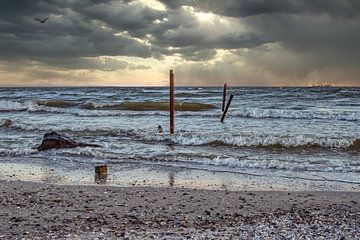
x: 232, y: 164
x: 242, y: 113
x: 277, y: 165
x: 153, y: 106
x: 60, y: 105
x: 86, y: 109
x: 76, y: 130
x: 268, y: 142
x: 96, y: 113
x: 56, y: 103
x: 149, y: 90
x: 17, y: 152
x: 202, y: 161
x: 296, y: 114
x: 9, y: 105
x: 184, y: 109
x: 187, y: 160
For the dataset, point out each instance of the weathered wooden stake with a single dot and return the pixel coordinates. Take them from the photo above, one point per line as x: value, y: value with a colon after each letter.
x: 224, y: 98
x: 227, y: 108
x: 101, y: 174
x: 172, y: 99
x: 101, y: 169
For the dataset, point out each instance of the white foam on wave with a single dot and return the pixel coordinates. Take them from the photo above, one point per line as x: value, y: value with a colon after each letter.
x: 8, y: 105
x: 17, y: 152
x: 198, y: 139
x: 278, y: 165
x: 345, y: 115
x: 111, y: 155
x: 296, y: 114
x: 270, y: 140
x: 93, y: 113
x: 32, y: 106
x: 82, y: 130
x: 235, y: 164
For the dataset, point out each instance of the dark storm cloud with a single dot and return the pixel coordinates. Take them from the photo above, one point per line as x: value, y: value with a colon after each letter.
x: 184, y: 30
x: 314, y: 35
x: 198, y: 55
x: 244, y: 8
x: 179, y: 29
x: 105, y: 64
x: 87, y: 29
x: 67, y: 35
x: 309, y: 35
x: 298, y: 24
x: 123, y: 17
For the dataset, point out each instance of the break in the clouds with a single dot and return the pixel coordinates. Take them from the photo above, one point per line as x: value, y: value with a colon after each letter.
x: 207, y: 42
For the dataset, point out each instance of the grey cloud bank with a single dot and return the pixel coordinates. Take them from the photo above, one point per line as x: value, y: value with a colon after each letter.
x: 245, y: 42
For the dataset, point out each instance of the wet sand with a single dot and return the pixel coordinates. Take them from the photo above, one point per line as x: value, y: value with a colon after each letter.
x: 42, y: 211
x: 142, y: 175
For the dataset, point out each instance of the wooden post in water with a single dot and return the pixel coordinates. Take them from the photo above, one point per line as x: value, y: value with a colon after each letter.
x: 172, y: 99
x: 227, y: 108
x: 224, y: 98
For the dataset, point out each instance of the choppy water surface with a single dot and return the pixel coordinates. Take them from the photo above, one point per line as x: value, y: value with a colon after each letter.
x: 295, y: 132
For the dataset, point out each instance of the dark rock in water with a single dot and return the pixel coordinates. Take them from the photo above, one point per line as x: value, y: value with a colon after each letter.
x: 55, y: 140
x: 355, y: 145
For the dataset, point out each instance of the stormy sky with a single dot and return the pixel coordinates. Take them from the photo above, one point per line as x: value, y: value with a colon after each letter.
x: 206, y: 42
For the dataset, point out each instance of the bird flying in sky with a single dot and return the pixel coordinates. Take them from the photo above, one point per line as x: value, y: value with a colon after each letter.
x: 41, y: 21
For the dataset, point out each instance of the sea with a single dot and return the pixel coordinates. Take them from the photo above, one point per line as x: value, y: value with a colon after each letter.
x: 272, y: 137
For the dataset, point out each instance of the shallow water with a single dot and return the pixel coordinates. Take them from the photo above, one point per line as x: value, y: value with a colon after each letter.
x: 303, y: 133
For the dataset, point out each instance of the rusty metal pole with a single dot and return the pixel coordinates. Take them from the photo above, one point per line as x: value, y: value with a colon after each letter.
x: 227, y: 108
x: 172, y: 99
x: 224, y: 98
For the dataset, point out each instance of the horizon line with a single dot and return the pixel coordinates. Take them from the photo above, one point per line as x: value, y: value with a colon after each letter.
x: 162, y: 86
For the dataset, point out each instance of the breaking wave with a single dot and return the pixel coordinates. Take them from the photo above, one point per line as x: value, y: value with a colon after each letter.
x: 151, y: 106
x: 268, y: 142
x: 296, y: 114
x: 62, y: 106
x: 17, y: 152
x: 57, y: 103
x: 185, y: 109
x: 231, y: 163
x: 278, y: 165
x: 9, y: 106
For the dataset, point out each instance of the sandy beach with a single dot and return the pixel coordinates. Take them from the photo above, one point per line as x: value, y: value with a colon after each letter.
x: 43, y: 211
